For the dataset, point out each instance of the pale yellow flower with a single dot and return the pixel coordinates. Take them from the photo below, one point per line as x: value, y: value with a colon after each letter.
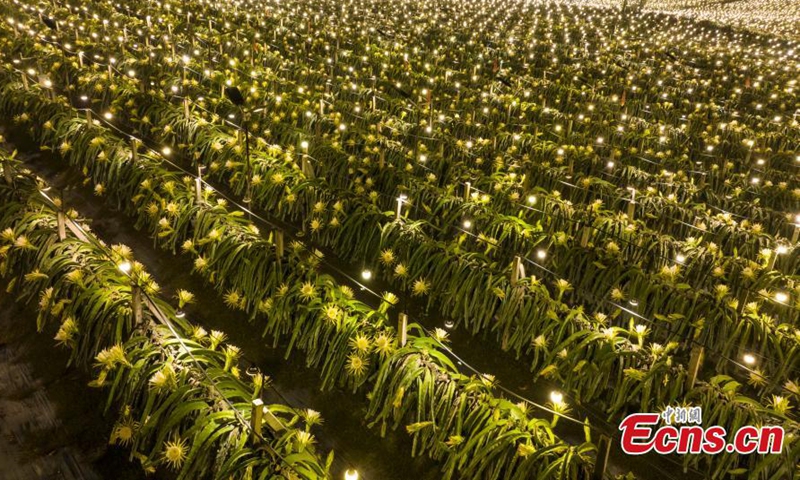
x: 356, y: 365
x: 308, y: 292
x: 421, y: 287
x: 175, y: 453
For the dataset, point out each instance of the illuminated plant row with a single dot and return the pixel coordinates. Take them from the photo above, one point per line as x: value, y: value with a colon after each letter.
x: 163, y: 378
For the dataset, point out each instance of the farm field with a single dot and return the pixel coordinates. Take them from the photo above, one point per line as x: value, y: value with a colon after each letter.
x: 391, y: 239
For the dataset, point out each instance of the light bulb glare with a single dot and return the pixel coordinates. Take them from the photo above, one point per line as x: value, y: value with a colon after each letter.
x: 351, y: 474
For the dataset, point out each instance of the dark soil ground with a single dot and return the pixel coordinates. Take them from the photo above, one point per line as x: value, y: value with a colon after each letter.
x: 50, y: 423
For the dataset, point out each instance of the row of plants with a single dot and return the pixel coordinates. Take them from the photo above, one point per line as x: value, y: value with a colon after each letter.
x: 179, y: 402
x: 777, y: 18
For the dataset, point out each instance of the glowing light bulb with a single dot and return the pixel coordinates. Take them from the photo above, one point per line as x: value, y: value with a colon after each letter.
x: 166, y: 151
x: 749, y: 359
x: 556, y: 397
x: 125, y: 267
x: 351, y: 474
x: 366, y: 274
